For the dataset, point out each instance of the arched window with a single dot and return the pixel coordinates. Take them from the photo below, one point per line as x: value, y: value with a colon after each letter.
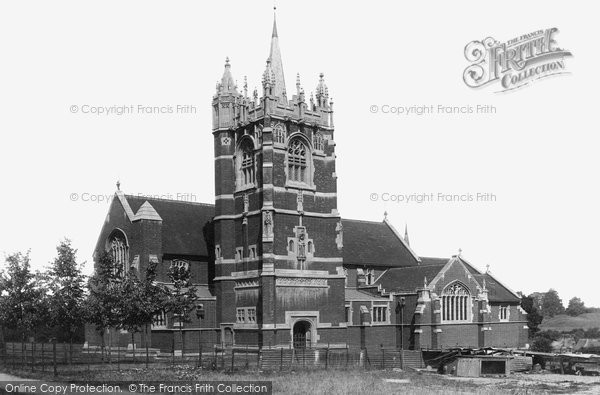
x: 279, y: 134
x: 291, y: 246
x: 297, y: 162
x: 180, y: 265
x: 246, y: 166
x: 318, y: 142
x: 456, y: 303
x: 119, y: 250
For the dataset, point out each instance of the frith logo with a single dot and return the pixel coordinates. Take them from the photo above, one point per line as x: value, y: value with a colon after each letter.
x: 516, y: 62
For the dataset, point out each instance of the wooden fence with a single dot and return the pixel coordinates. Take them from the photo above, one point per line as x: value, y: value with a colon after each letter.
x: 60, y: 357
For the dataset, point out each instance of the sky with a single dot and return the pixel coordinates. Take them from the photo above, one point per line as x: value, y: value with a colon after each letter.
x: 534, y: 159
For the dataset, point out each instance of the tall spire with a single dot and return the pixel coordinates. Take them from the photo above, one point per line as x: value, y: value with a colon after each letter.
x: 406, y: 234
x: 276, y: 63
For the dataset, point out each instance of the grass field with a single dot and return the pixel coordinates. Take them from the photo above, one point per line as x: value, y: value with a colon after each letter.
x: 565, y: 322
x: 350, y: 381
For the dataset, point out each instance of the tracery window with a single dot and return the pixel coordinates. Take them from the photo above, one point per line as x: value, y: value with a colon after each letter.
x: 246, y: 164
x: 279, y: 134
x: 318, y: 142
x: 119, y: 250
x: 456, y: 303
x: 297, y: 162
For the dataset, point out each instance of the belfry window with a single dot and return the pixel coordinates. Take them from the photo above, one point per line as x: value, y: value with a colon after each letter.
x: 318, y: 142
x: 456, y: 303
x: 297, y: 162
x: 279, y: 134
x: 246, y: 164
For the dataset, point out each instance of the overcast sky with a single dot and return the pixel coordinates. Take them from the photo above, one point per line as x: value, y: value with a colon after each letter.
x: 538, y: 154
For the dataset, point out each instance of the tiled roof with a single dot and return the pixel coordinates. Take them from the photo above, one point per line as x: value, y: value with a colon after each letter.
x: 183, y: 224
x: 374, y: 244
x: 408, y: 279
x: 353, y: 294
x: 496, y: 291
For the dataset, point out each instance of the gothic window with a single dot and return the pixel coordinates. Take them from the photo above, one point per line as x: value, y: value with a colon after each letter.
x: 318, y: 142
x: 291, y: 246
x: 218, y: 252
x: 309, y: 247
x: 297, y: 162
x: 370, y: 277
x: 279, y: 134
x: 252, y: 252
x: 348, y: 314
x: 456, y: 303
x: 379, y: 314
x: 246, y: 164
x: 238, y: 254
x: 119, y: 250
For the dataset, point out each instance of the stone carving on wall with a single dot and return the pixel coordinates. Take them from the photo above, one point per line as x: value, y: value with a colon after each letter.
x: 301, y: 282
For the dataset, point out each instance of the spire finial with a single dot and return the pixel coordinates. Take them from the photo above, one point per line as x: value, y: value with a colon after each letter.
x: 385, y: 214
x: 118, y: 185
x: 459, y: 252
x: 406, y: 234
x: 274, y: 21
x: 487, y: 268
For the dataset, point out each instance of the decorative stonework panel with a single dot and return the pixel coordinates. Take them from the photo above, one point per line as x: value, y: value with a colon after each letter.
x: 301, y: 282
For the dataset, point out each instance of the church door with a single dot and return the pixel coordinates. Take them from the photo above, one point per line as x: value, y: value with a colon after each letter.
x: 302, y: 334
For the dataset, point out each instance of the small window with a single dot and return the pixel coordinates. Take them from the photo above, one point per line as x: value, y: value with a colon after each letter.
x: 318, y: 142
x: 200, y: 311
x: 370, y: 277
x: 159, y: 320
x: 238, y: 254
x: 291, y: 246
x: 309, y: 247
x: 252, y: 252
x: 348, y: 314
x: 241, y: 315
x: 179, y: 266
x: 504, y: 312
x: 279, y: 134
x: 345, y: 277
x: 251, y: 315
x: 379, y: 314
x: 218, y: 252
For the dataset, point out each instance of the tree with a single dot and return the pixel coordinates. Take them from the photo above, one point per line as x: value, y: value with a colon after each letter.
x: 67, y: 287
x: 576, y: 307
x: 140, y: 301
x: 534, y: 318
x: 182, y: 298
x: 104, y: 295
x: 543, y: 341
x: 23, y: 298
x: 552, y: 304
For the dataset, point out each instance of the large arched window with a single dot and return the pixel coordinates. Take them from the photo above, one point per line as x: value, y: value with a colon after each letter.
x: 119, y: 249
x: 456, y: 303
x: 246, y: 167
x: 298, y: 162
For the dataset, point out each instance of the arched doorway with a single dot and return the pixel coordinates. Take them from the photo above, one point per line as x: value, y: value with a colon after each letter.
x: 302, y: 334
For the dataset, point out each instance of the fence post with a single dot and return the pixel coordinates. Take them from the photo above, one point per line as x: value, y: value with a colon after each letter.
x: 327, y: 357
x: 382, y: 358
x: 247, y: 362
x: 347, y: 355
x: 43, y: 360
x: 281, y: 359
x: 32, y: 357
x: 200, y: 354
x: 13, y: 356
x: 54, y: 357
x: 119, y: 357
x: 173, y: 349
x: 232, y: 358
x: 23, y: 352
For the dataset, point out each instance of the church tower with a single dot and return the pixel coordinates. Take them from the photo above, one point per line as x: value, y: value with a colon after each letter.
x: 278, y: 235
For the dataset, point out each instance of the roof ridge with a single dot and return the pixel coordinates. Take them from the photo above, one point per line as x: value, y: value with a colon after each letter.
x: 143, y: 197
x: 364, y: 221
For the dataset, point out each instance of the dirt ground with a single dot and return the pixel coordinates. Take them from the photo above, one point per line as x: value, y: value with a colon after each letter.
x: 538, y: 383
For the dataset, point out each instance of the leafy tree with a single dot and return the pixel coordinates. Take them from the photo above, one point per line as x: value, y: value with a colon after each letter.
x: 576, y: 307
x: 104, y: 295
x: 534, y: 318
x: 542, y: 341
x: 67, y: 286
x: 140, y: 300
x: 552, y: 304
x: 182, y: 298
x: 23, y: 302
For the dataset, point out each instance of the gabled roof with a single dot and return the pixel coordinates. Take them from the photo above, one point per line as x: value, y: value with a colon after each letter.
x: 375, y: 244
x: 408, y: 279
x: 183, y: 223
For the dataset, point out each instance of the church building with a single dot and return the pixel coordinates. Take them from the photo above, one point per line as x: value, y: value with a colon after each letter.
x: 274, y: 262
